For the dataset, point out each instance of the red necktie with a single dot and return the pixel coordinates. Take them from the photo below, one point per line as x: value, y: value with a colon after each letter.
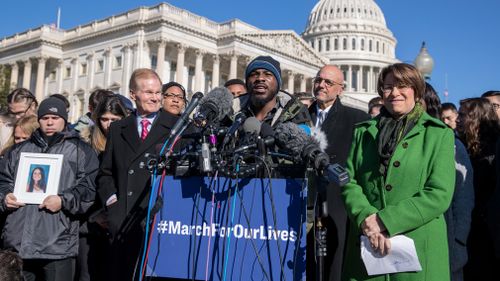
x: 144, y: 133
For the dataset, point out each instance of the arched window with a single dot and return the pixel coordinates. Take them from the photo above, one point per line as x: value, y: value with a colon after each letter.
x: 354, y: 43
x: 344, y: 43
x: 362, y: 44
x: 327, y: 45
x: 383, y: 48
x: 370, y: 45
x: 378, y: 49
x: 335, y: 44
x: 319, y: 46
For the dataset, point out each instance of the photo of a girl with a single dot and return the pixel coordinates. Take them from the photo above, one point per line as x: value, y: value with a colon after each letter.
x: 37, y: 182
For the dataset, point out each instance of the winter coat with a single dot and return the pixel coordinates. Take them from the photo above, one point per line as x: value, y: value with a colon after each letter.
x: 411, y: 200
x: 38, y: 233
x: 458, y: 216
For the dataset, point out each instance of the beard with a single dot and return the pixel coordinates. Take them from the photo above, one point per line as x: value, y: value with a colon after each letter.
x: 260, y: 101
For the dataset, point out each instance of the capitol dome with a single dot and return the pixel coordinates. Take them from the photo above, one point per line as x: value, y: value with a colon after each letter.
x: 353, y: 35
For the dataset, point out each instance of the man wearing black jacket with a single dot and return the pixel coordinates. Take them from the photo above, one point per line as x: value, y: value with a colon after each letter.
x: 46, y: 236
x: 123, y: 183
x: 337, y: 121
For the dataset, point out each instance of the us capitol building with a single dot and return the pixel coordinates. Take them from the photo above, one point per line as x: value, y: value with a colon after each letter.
x: 199, y: 53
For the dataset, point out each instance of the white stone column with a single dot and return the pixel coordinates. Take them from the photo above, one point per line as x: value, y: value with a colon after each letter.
x: 14, y: 76
x: 215, y: 71
x: 135, y: 49
x: 198, y: 71
x: 141, y: 44
x: 233, y: 66
x: 303, y: 83
x: 127, y: 61
x: 291, y: 82
x: 181, y: 51
x: 359, y: 82
x: 91, y: 71
x: 160, y: 59
x: 74, y: 70
x: 27, y: 74
x: 75, y: 106
x: 59, y: 78
x: 40, y: 78
x: 371, y: 86
x: 349, y: 78
x: 108, y: 54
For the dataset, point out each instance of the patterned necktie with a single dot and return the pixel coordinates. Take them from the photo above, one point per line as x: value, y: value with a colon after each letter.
x: 321, y: 118
x: 144, y: 133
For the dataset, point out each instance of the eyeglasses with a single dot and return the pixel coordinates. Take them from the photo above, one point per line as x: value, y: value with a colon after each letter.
x: 329, y: 83
x: 496, y: 106
x: 387, y: 89
x: 22, y: 112
x: 173, y: 96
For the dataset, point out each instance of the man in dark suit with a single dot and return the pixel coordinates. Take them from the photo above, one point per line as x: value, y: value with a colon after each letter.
x: 337, y: 121
x: 123, y: 185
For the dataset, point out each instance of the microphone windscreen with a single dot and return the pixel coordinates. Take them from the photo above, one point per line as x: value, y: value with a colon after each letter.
x: 220, y: 101
x: 266, y: 130
x: 252, y: 126
x: 290, y: 137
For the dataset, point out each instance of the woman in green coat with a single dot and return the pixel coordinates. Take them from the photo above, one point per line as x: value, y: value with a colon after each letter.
x: 402, y: 172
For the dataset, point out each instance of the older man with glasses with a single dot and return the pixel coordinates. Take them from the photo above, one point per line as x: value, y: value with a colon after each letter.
x: 337, y: 121
x: 21, y: 102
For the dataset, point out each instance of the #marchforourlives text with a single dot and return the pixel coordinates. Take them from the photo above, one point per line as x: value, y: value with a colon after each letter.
x: 238, y: 231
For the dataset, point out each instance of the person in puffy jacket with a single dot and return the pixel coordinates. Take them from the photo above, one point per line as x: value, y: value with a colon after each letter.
x: 46, y: 236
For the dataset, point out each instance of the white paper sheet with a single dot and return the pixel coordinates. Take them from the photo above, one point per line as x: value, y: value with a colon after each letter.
x: 402, y: 257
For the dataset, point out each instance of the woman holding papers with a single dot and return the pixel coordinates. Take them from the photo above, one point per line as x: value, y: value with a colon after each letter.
x: 402, y: 171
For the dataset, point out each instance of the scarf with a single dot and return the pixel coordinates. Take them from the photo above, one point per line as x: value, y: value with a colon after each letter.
x: 392, y: 131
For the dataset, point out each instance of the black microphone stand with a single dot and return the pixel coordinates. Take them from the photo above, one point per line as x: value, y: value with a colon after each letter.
x: 320, y: 237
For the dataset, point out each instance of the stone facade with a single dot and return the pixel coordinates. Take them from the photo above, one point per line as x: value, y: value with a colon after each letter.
x: 179, y: 45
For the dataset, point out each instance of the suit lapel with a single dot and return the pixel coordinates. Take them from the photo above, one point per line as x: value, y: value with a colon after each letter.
x: 312, y: 112
x: 129, y: 133
x: 160, y: 129
x: 332, y: 117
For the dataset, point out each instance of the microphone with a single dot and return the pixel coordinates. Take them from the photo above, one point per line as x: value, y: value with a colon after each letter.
x: 291, y: 137
x: 214, y: 107
x: 253, y: 131
x: 238, y: 120
x: 185, y: 115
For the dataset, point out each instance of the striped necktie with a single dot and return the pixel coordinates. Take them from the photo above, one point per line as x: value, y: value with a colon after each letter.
x: 144, y: 133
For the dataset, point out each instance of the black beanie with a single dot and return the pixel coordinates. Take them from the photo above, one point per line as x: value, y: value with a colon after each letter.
x: 52, y: 105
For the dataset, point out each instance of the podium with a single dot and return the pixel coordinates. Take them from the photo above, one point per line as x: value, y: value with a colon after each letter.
x: 223, y: 229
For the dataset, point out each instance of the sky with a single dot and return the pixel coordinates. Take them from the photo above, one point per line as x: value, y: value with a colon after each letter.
x: 462, y: 36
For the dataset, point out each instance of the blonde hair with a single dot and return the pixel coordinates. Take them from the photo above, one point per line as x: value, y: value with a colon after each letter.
x: 28, y: 125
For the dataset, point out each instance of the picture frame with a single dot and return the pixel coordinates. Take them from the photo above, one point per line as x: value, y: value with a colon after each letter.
x: 38, y: 176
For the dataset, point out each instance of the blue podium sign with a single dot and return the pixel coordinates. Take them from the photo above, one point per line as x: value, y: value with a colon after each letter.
x: 223, y: 229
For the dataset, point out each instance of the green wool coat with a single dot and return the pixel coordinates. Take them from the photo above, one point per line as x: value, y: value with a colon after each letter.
x: 411, y: 200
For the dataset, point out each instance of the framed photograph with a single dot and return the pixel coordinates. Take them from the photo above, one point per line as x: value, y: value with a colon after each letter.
x: 37, y: 177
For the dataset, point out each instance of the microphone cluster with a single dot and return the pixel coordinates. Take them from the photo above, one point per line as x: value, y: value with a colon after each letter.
x: 230, y: 149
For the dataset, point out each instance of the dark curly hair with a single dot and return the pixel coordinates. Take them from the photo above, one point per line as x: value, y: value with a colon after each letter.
x: 477, y: 125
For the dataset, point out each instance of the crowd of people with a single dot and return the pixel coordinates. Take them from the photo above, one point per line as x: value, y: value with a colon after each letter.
x: 418, y: 168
